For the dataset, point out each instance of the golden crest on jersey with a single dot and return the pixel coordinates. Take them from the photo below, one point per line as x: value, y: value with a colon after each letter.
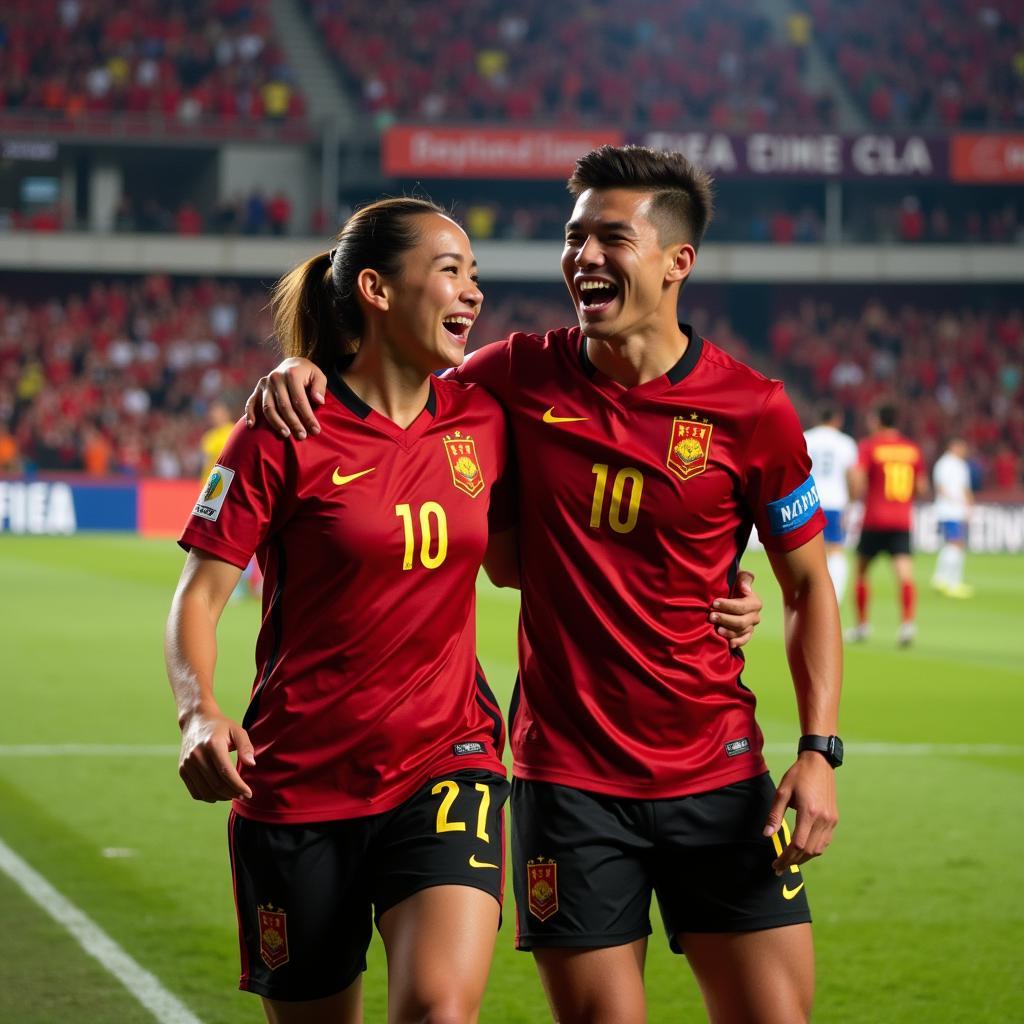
x: 542, y: 887
x: 273, y: 936
x: 466, y: 472
x: 689, y: 445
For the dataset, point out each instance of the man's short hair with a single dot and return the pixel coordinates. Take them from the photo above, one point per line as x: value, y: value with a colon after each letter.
x: 888, y: 415
x: 682, y: 192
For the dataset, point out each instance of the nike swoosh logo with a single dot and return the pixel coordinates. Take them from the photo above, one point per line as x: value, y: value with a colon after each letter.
x: 550, y: 417
x: 341, y: 480
x: 474, y: 863
x: 788, y: 894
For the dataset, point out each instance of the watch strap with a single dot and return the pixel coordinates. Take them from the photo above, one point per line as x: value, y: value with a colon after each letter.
x: 830, y: 747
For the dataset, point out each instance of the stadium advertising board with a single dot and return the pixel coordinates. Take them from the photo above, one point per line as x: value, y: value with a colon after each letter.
x: 508, y: 153
x: 988, y: 158
x: 160, y: 508
x: 65, y: 507
x: 155, y: 508
x: 812, y: 154
x: 541, y: 154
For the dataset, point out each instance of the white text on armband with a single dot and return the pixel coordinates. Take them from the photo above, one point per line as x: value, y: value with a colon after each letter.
x: 791, y: 512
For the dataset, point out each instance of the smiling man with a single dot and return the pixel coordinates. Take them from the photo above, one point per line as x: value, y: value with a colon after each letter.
x: 646, y: 455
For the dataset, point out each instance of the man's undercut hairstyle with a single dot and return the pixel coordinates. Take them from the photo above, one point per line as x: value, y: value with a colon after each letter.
x: 888, y: 415
x: 682, y: 192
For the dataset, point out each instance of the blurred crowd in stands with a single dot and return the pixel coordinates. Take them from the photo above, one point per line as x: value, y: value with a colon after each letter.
x: 661, y: 64
x: 255, y: 214
x: 939, y: 63
x: 948, y: 63
x: 909, y: 220
x: 919, y: 62
x: 120, y: 379
x: 179, y: 59
x: 876, y: 220
x: 953, y: 372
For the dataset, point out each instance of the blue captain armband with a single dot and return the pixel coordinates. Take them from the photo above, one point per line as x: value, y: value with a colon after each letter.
x: 792, y: 511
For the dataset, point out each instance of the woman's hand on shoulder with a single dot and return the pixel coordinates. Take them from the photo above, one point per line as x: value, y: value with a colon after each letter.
x: 285, y: 397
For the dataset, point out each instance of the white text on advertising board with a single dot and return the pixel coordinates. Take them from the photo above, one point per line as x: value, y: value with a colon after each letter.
x: 38, y: 507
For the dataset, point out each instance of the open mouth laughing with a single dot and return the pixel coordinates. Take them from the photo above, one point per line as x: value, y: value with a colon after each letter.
x: 596, y: 293
x: 458, y: 326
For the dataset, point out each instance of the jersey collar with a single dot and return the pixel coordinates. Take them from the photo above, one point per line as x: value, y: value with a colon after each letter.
x: 348, y: 398
x: 677, y: 373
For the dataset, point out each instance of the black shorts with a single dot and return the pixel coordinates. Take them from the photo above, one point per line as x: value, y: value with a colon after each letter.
x: 875, y: 542
x: 307, y: 895
x: 584, y: 865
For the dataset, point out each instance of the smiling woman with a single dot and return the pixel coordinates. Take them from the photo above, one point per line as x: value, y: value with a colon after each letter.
x: 369, y: 784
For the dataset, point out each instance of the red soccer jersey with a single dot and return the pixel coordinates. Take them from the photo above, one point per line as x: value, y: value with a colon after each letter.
x: 893, y: 464
x: 369, y: 538
x: 635, y: 506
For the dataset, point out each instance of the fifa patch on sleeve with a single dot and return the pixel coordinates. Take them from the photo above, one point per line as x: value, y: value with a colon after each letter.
x: 792, y: 511
x: 214, y: 491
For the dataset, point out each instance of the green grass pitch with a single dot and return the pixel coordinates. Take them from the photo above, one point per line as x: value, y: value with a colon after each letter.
x: 919, y: 904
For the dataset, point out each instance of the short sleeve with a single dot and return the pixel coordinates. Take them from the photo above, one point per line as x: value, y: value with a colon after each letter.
x: 490, y: 367
x: 778, y: 485
x: 244, y: 498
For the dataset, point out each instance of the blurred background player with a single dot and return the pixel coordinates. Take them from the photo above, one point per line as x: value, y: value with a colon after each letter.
x: 833, y: 456
x: 951, y: 481
x: 888, y: 476
x: 213, y: 440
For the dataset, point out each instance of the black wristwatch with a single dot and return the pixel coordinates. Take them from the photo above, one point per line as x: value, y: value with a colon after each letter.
x: 830, y: 748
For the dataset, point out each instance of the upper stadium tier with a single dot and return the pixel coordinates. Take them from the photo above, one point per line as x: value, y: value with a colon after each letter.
x: 921, y: 63
x: 161, y: 66
x: 659, y: 64
x: 732, y: 65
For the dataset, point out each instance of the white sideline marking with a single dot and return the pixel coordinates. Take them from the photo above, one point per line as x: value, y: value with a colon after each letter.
x: 853, y: 747
x: 101, y: 947
x: 917, y: 749
x: 86, y: 750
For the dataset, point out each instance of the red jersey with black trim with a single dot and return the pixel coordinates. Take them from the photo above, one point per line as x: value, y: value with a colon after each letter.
x: 893, y: 464
x: 635, y: 506
x: 370, y: 538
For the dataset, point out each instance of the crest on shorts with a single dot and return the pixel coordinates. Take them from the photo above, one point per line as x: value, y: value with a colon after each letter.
x: 542, y: 886
x: 689, y: 445
x: 273, y: 936
x: 466, y: 472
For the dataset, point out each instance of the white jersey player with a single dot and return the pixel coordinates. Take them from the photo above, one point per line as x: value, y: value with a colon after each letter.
x: 951, y: 478
x: 833, y: 455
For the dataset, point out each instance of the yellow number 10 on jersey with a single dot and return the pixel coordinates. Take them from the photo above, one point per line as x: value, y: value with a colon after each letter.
x: 432, y: 519
x: 616, y: 520
x: 899, y: 481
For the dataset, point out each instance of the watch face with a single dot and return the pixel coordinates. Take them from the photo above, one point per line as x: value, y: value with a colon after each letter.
x: 830, y: 747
